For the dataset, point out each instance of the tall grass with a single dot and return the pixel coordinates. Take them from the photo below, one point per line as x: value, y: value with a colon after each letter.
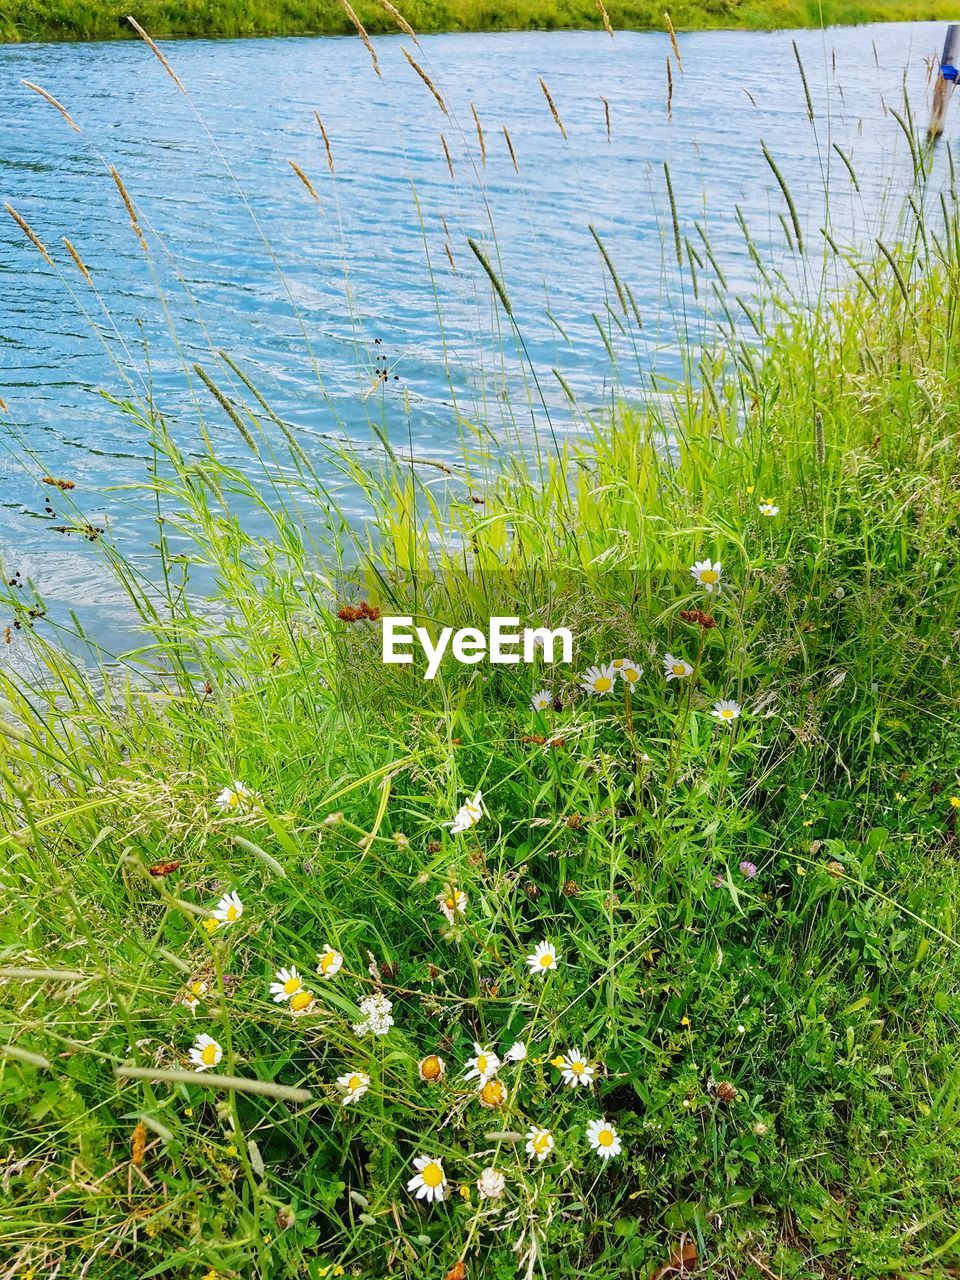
x: 755, y: 921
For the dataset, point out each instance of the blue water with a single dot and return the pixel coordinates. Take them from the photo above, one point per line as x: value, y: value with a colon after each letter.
x: 304, y: 317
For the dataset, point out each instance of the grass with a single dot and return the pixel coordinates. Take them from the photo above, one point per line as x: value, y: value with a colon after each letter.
x: 755, y: 922
x: 107, y: 19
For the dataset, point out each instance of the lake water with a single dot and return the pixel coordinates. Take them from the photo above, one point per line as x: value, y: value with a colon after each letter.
x: 305, y: 317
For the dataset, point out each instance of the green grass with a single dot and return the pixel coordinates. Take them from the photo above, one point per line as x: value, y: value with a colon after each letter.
x: 779, y: 1052
x: 107, y: 19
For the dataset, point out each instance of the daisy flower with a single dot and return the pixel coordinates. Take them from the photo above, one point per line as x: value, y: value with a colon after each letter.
x: 599, y: 679
x: 542, y: 701
x: 539, y: 1143
x: 377, y: 1016
x: 468, y: 815
x: 576, y: 1070
x: 727, y: 710
x: 193, y: 993
x: 237, y: 797
x: 542, y: 959
x: 604, y: 1139
x: 767, y: 508
x: 707, y: 573
x: 516, y: 1053
x: 493, y: 1094
x: 205, y: 1053
x: 429, y: 1182
x: 491, y: 1184
x: 432, y: 1069
x: 451, y: 902
x: 228, y: 910
x: 353, y: 1085
x: 483, y: 1066
x: 329, y: 962
x: 676, y: 668
x: 288, y: 983
x: 302, y: 1002
x: 629, y: 672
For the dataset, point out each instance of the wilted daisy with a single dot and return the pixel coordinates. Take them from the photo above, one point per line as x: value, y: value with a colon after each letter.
x: 288, y: 983
x: 516, y: 1053
x: 353, y: 1086
x: 604, y: 1139
x: 767, y: 508
x: 432, y: 1068
x: 228, y: 910
x: 539, y: 1143
x: 429, y: 1182
x: 576, y: 1070
x: 629, y: 672
x: 542, y: 701
x: 542, y: 959
x: 599, y: 679
x: 377, y: 1016
x: 236, y: 798
x: 491, y: 1184
x: 483, y: 1066
x: 302, y: 1003
x: 676, y: 668
x: 193, y: 993
x: 493, y: 1094
x: 707, y: 573
x: 329, y: 962
x: 205, y: 1053
x: 727, y: 710
x: 452, y: 901
x: 468, y: 815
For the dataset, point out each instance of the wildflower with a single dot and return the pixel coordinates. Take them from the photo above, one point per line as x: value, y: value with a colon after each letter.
x: 432, y: 1069
x: 493, y: 1094
x: 576, y: 1070
x: 377, y: 1016
x: 726, y: 1091
x: 707, y: 573
x: 604, y: 1139
x: 599, y: 679
x: 491, y: 1184
x: 205, y: 1053
x: 542, y: 959
x: 542, y: 701
x: 727, y: 710
x: 288, y: 983
x: 483, y: 1066
x: 429, y: 1182
x: 676, y: 668
x: 452, y: 901
x: 468, y: 815
x: 236, y: 797
x: 749, y: 869
x: 835, y: 869
x: 354, y: 1085
x: 329, y: 962
x: 539, y: 1143
x: 768, y: 509
x: 193, y: 993
x: 955, y: 802
x: 630, y: 673
x: 516, y: 1053
x: 228, y: 910
x: 302, y: 1002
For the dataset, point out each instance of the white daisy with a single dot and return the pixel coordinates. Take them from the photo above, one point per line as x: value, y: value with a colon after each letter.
x: 604, y: 1139
x: 539, y: 1143
x: 629, y: 672
x: 353, y: 1086
x: 329, y: 962
x: 468, y: 815
x: 193, y: 993
x: 676, y: 668
x: 429, y: 1182
x: 727, y: 710
x: 516, y: 1053
x: 707, y: 573
x: 599, y: 679
x: 302, y: 1003
x: 228, y: 910
x: 288, y: 983
x: 236, y: 798
x: 483, y: 1066
x: 543, y: 958
x: 451, y: 902
x: 491, y: 1184
x: 767, y: 508
x: 205, y: 1053
x: 577, y: 1071
x: 542, y: 701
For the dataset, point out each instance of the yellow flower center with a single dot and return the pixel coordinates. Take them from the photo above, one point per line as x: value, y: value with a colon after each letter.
x: 678, y: 668
x: 603, y: 684
x: 290, y: 986
x: 209, y: 1055
x: 546, y: 961
x: 630, y: 674
x: 708, y: 575
x: 327, y: 961
x: 354, y: 1083
x: 430, y: 1068
x: 232, y: 913
x: 493, y: 1093
x: 233, y: 799
x: 726, y: 713
x: 577, y: 1068
x: 432, y: 1174
x: 482, y: 1062
x: 605, y: 1137
x: 211, y: 924
x: 302, y: 1000
x: 541, y: 1143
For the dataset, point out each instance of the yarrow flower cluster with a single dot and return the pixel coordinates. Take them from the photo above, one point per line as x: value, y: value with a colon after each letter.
x: 377, y: 1018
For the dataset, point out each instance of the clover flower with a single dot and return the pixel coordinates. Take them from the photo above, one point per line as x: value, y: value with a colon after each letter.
x: 491, y: 1184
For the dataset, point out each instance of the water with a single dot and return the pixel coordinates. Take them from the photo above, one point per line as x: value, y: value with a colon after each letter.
x: 306, y: 320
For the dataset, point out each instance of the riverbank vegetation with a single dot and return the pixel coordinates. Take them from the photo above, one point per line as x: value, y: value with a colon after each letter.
x: 23, y: 20
x: 643, y: 965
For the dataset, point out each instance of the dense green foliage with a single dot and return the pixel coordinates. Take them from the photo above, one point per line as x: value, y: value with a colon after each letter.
x: 107, y: 19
